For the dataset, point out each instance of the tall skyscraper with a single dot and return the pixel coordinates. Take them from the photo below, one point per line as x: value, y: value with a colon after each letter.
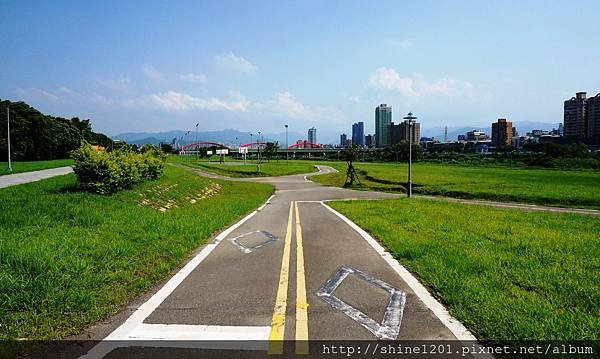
x: 312, y: 135
x: 575, y: 117
x: 358, y: 134
x: 502, y: 132
x: 593, y: 120
x: 383, y: 119
x: 343, y: 140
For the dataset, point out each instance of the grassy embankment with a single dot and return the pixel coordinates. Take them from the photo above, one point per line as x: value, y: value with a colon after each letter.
x: 69, y: 258
x: 541, y: 186
x: 505, y: 274
x: 239, y: 169
x: 19, y: 167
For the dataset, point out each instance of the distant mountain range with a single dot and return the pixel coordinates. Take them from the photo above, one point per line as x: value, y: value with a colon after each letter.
x: 230, y: 136
x: 227, y: 136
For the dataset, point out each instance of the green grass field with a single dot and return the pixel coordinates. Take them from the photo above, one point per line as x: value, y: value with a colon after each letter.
x: 69, y: 259
x: 541, y: 186
x: 19, y: 167
x: 238, y: 169
x: 505, y: 274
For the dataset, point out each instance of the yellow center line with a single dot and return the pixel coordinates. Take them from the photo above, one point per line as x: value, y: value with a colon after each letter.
x: 278, y: 321
x: 301, y: 301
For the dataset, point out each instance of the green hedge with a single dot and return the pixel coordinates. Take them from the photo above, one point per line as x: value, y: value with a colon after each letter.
x: 109, y: 172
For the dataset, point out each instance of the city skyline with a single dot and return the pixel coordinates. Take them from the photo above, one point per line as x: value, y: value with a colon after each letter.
x: 230, y: 73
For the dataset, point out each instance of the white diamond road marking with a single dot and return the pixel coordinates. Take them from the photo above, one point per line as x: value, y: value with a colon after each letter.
x: 245, y: 249
x: 386, y: 330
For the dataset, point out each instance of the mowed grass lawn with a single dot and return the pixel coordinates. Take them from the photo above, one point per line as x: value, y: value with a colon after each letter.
x: 505, y: 274
x: 19, y: 167
x: 250, y: 169
x: 541, y: 186
x: 69, y: 259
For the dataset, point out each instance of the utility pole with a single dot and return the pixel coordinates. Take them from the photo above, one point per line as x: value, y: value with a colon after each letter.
x: 410, y: 119
x: 9, y: 169
x: 286, y: 145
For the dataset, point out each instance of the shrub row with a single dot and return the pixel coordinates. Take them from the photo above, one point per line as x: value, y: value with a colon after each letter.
x: 109, y: 172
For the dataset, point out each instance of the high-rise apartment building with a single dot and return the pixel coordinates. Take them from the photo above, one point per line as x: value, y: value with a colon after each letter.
x: 416, y: 131
x: 575, y: 117
x: 312, y: 135
x: 343, y: 140
x: 370, y: 141
x: 358, y: 134
x: 593, y: 120
x: 383, y: 119
x: 395, y: 134
x: 502, y: 132
x: 400, y: 132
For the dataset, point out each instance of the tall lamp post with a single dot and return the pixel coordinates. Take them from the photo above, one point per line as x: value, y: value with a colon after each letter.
x: 410, y: 119
x: 197, y: 141
x: 258, y: 149
x: 250, y: 146
x: 286, y: 144
x: 9, y: 168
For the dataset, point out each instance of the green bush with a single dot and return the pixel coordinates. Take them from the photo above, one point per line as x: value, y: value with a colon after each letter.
x: 108, y: 172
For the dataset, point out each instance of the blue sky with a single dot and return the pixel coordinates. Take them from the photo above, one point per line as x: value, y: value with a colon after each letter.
x: 255, y: 65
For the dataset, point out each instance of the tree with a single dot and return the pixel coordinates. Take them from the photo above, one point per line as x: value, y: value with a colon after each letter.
x: 350, y: 155
x: 271, y: 148
x: 35, y: 136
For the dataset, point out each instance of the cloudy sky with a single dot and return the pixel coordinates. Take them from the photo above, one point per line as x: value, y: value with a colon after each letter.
x: 255, y: 65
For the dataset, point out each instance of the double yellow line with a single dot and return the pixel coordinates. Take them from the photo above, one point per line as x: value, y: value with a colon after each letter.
x: 276, y: 335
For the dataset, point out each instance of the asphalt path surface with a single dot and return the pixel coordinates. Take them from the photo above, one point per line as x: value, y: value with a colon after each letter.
x: 290, y: 273
x: 26, y: 177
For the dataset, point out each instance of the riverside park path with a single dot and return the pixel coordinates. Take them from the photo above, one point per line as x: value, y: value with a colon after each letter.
x: 289, y: 273
x: 26, y: 177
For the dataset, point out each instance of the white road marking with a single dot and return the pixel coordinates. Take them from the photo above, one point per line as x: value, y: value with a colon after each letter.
x: 389, y: 328
x: 265, y: 204
x: 178, y: 332
x: 136, y: 319
x: 456, y: 327
x: 269, y: 238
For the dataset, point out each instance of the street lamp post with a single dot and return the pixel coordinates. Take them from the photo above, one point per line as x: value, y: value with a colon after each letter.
x: 258, y: 149
x: 410, y: 119
x: 286, y: 144
x: 197, y: 141
x: 9, y: 168
x: 250, y: 147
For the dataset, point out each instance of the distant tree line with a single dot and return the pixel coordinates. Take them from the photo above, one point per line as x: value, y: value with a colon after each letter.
x: 35, y: 136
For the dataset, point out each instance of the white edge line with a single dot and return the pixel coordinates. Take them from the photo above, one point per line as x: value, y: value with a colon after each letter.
x: 136, y: 319
x: 265, y: 204
x: 455, y: 326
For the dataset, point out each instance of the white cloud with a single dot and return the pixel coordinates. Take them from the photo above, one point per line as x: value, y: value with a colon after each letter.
x: 416, y: 86
x: 119, y: 84
x: 287, y: 105
x: 194, y: 78
x: 180, y: 102
x: 230, y: 61
x: 401, y: 44
x: 388, y: 79
x: 34, y: 94
x: 152, y: 73
x: 353, y: 99
x: 67, y: 91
